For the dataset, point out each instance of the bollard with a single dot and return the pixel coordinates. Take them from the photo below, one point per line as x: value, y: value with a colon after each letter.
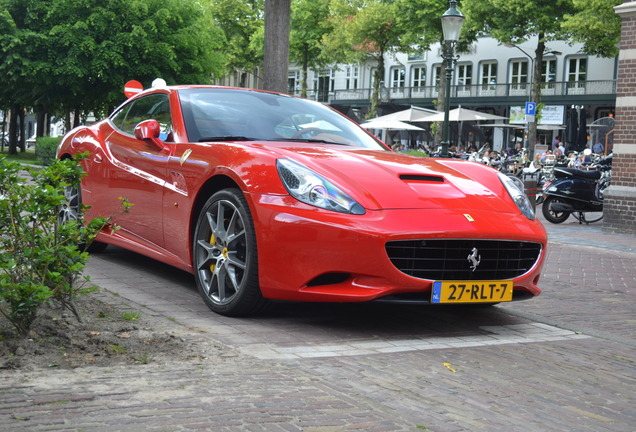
x: 531, y: 189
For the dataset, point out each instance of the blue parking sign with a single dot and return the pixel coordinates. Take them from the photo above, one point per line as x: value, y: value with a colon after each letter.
x: 531, y: 108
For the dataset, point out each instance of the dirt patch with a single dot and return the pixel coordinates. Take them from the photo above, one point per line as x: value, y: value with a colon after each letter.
x: 111, y: 333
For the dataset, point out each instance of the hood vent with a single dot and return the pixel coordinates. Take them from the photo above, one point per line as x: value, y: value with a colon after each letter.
x: 422, y: 178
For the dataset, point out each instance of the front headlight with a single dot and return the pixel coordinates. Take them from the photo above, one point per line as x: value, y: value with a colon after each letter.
x: 310, y: 188
x: 518, y: 196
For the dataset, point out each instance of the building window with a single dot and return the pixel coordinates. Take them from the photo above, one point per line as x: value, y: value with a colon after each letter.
x: 419, y: 76
x: 519, y: 77
x: 324, y: 84
x: 437, y: 75
x: 397, y: 78
x: 488, y: 76
x: 577, y: 74
x: 577, y: 69
x: 548, y: 71
x: 464, y: 76
x: 293, y: 82
x: 352, y: 75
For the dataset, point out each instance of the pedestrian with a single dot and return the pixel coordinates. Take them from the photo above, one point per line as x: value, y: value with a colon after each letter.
x: 598, y: 148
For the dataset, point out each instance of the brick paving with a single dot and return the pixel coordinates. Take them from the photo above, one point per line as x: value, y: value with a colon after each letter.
x: 564, y: 361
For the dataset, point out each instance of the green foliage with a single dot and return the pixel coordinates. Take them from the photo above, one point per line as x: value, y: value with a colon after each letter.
x: 590, y: 22
x: 308, y: 27
x: 241, y: 23
x: 79, y: 53
x: 363, y: 31
x: 596, y: 26
x: 45, y: 148
x: 516, y: 21
x: 39, y: 255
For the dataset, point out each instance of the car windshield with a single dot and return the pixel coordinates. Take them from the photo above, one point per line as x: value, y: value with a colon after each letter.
x: 215, y: 114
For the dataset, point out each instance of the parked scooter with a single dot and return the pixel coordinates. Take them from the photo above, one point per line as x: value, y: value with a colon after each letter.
x: 576, y: 192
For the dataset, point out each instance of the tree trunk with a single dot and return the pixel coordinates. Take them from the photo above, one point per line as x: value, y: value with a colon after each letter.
x: 13, y: 131
x: 76, y: 118
x: 3, y: 137
x: 277, y: 21
x: 40, y: 112
x: 67, y: 119
x: 304, y: 85
x: 23, y: 138
x: 377, y: 87
x: 535, y: 94
x: 47, y: 124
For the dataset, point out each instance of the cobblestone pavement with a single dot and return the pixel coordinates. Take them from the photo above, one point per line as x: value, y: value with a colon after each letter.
x: 564, y: 361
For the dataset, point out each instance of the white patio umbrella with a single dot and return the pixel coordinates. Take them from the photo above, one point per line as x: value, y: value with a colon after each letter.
x: 413, y: 114
x: 463, y: 114
x: 389, y: 124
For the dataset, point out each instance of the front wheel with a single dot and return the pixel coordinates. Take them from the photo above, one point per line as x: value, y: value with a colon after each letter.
x: 550, y: 214
x: 224, y: 255
x: 589, y: 217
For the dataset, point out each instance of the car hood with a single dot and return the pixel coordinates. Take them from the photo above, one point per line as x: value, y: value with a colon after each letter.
x: 388, y: 180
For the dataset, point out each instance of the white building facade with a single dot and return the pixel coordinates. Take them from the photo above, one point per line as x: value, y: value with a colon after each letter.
x: 491, y: 77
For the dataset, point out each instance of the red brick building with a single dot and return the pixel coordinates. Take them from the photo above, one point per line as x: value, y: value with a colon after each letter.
x: 620, y: 198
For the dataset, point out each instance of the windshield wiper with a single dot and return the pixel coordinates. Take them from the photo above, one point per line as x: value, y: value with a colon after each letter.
x: 227, y: 138
x: 310, y: 140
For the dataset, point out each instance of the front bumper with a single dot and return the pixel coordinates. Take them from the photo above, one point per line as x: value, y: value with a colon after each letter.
x: 308, y: 254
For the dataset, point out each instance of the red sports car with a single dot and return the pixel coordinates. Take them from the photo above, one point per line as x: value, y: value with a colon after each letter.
x: 266, y: 196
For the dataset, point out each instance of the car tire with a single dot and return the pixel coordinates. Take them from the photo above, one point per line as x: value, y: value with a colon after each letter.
x: 550, y: 214
x: 225, y: 256
x: 71, y: 211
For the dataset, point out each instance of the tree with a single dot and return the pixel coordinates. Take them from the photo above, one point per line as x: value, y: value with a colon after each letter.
x: 242, y: 24
x: 22, y: 49
x: 368, y: 30
x: 596, y: 26
x: 307, y: 31
x: 101, y: 44
x: 76, y: 55
x: 517, y: 21
x: 276, y: 49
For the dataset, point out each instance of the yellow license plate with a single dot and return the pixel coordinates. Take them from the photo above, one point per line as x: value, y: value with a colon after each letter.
x: 471, y: 291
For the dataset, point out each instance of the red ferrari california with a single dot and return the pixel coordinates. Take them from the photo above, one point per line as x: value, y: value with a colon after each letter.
x: 265, y: 196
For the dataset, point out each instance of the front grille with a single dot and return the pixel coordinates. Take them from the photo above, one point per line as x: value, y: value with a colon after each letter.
x: 449, y: 259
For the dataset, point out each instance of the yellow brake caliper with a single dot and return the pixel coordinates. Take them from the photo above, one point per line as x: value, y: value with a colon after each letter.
x: 212, y: 242
x: 224, y: 252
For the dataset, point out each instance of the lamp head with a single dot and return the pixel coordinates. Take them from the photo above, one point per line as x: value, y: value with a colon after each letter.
x: 452, y: 22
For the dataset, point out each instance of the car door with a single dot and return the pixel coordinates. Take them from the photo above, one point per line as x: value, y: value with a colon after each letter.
x: 137, y: 169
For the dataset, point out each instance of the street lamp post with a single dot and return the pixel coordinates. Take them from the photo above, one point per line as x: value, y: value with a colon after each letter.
x: 452, y: 22
x: 535, y: 85
x: 531, y: 128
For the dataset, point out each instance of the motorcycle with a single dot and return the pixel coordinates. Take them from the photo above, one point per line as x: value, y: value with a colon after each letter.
x: 576, y: 192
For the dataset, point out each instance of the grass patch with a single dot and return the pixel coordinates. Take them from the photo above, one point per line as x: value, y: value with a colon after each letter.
x: 27, y: 156
x: 131, y: 315
x: 416, y: 153
x: 118, y: 349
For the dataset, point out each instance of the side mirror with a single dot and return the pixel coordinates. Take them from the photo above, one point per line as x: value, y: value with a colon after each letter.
x: 149, y: 130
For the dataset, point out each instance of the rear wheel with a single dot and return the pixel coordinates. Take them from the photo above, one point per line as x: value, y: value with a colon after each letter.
x: 550, y: 214
x: 224, y: 258
x: 71, y: 211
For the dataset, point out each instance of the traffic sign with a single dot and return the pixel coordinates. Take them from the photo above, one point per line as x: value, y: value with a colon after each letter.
x: 531, y: 108
x: 132, y: 87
